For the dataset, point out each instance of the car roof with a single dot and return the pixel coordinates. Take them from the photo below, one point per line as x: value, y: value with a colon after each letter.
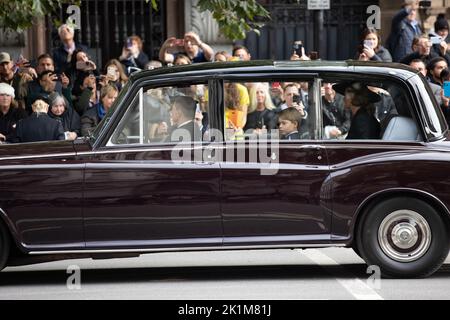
x: 212, y: 68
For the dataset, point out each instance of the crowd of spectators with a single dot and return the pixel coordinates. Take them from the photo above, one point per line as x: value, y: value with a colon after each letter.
x: 64, y: 94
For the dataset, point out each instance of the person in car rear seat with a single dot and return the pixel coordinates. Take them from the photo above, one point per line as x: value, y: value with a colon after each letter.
x: 360, y: 100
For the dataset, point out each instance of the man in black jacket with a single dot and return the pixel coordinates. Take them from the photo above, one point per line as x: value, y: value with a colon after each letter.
x: 39, y: 126
x: 62, y: 55
x: 182, y: 115
x: 403, y: 30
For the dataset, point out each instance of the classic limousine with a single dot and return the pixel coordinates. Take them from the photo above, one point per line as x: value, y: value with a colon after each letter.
x: 130, y: 188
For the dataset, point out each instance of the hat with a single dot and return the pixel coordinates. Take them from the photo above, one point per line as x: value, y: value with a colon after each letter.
x: 5, y: 57
x: 358, y: 88
x: 441, y: 23
x: 6, y: 89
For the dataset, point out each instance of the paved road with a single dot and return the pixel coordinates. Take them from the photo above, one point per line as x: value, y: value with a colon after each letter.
x: 265, y: 274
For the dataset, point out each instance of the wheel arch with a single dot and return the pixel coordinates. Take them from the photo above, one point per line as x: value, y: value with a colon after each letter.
x: 378, y: 197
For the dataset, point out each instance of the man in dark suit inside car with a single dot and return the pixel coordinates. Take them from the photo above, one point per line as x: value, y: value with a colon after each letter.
x: 183, y: 114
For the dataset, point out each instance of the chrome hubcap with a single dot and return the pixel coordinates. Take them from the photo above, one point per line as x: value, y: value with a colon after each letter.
x: 404, y: 235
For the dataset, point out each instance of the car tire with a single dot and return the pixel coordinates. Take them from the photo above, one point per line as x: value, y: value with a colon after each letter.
x: 405, y: 237
x: 4, y: 246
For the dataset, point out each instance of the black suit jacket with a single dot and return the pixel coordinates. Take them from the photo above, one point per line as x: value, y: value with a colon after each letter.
x: 364, y: 126
x: 191, y: 128
x: 39, y: 127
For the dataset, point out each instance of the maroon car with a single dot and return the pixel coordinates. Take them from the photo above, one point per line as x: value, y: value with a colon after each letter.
x: 162, y: 174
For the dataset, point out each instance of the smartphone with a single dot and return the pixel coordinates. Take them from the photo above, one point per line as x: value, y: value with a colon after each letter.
x: 179, y: 42
x: 424, y: 4
x: 58, y: 77
x: 298, y: 46
x: 447, y: 89
x: 436, y: 40
x: 129, y: 43
x: 368, y: 44
x: 111, y: 72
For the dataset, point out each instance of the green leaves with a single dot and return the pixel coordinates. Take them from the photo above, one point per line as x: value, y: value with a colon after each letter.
x: 235, y: 17
x: 20, y: 14
x: 154, y: 4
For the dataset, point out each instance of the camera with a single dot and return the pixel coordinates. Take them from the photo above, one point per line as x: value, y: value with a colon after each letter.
x: 296, y: 99
x: 58, y: 77
x: 298, y: 46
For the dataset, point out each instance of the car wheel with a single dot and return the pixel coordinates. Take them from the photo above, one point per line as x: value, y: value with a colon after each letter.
x: 405, y: 237
x: 4, y: 246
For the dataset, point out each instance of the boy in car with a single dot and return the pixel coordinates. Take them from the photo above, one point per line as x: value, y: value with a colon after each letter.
x: 289, y: 124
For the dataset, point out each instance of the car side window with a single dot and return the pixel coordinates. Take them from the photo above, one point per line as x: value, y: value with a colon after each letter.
x: 367, y: 110
x: 165, y: 115
x: 283, y: 110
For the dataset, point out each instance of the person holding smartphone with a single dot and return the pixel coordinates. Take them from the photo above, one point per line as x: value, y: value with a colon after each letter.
x: 371, y: 48
x: 114, y: 75
x: 404, y: 29
x: 133, y: 55
x: 438, y: 38
x: 191, y: 46
x: 299, y: 51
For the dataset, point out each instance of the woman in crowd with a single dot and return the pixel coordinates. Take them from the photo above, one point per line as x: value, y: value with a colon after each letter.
x: 61, y: 110
x: 133, y: 55
x: 114, y: 75
x: 10, y: 114
x: 93, y: 116
x: 80, y: 66
x: 236, y: 106
x: 89, y: 96
x: 261, y: 114
x: 371, y: 48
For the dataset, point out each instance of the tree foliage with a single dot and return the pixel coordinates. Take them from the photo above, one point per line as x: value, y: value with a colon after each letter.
x: 20, y: 14
x: 235, y: 17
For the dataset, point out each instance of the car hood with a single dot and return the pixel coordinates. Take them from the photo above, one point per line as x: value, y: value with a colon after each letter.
x: 47, y: 148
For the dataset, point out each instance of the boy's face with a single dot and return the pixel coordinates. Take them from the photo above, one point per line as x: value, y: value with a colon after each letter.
x: 287, y: 126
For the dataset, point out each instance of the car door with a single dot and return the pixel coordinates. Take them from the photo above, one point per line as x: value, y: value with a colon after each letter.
x: 276, y: 191
x: 143, y: 192
x: 41, y: 195
x: 367, y: 171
